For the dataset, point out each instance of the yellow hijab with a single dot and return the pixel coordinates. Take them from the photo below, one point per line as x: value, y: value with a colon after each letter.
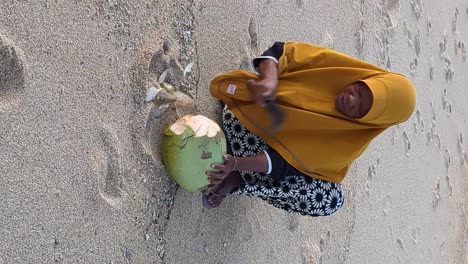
x: 316, y: 138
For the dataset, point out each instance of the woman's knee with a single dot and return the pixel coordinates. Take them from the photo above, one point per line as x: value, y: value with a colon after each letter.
x: 322, y: 202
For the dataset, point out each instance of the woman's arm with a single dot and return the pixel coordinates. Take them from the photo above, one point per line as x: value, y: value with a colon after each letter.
x: 273, y: 53
x: 268, y: 70
x: 258, y: 163
x: 264, y: 90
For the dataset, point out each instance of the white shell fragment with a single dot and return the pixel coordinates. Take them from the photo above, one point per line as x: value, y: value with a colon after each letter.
x: 151, y: 93
x: 188, y: 68
x: 162, y: 78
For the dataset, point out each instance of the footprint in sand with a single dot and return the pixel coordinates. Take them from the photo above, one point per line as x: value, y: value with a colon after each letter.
x: 446, y: 104
x: 110, y: 171
x: 159, y: 61
x: 372, y: 171
x: 401, y: 244
x: 360, y: 36
x: 383, y: 37
x: 413, y: 66
x: 387, y: 205
x: 416, y: 6
x: 407, y: 143
x: 449, y: 186
x: 431, y: 69
x: 419, y: 124
x: 366, y: 187
x: 447, y: 158
x: 311, y: 253
x: 164, y: 64
x: 433, y: 111
x: 454, y: 20
x: 12, y: 76
x: 11, y: 67
x: 392, y: 4
x: 428, y: 25
x: 253, y: 34
x: 324, y: 240
x: 383, y: 54
x: 460, y: 49
x: 300, y: 4
x: 390, y: 233
x: 389, y: 10
x: 436, y: 195
x: 417, y: 43
x: 293, y: 222
x: 432, y: 137
x: 443, y: 46
x: 461, y: 148
x: 251, y: 48
x: 415, y: 234
x: 437, y: 141
x: 413, y: 39
x: 394, y: 135
x: 245, y: 231
x: 449, y: 72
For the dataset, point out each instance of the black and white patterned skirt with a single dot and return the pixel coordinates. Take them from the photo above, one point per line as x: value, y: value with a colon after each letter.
x: 294, y: 193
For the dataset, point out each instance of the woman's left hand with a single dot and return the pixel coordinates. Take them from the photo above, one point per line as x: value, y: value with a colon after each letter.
x: 216, y: 178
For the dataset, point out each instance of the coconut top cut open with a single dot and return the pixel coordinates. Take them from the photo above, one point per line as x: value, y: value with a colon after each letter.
x: 200, y: 125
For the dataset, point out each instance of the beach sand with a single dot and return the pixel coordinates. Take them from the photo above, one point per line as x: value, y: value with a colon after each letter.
x: 81, y: 177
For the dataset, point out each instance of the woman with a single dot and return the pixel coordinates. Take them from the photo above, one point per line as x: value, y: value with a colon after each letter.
x: 334, y: 106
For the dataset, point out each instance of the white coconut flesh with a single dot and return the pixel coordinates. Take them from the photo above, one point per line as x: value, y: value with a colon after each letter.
x: 200, y: 125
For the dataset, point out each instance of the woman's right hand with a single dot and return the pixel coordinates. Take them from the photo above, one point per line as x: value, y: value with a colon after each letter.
x: 263, y: 90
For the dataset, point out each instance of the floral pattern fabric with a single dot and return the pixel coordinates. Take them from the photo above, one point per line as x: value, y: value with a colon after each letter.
x: 294, y: 193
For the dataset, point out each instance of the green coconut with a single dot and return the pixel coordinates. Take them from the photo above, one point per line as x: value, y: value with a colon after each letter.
x: 189, y: 147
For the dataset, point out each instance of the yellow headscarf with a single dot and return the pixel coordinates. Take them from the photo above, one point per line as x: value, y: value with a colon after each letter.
x: 316, y: 138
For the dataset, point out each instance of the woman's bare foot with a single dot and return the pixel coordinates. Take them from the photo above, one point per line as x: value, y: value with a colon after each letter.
x: 216, y: 196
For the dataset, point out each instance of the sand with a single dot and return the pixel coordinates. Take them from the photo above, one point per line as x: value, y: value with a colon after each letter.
x: 81, y: 177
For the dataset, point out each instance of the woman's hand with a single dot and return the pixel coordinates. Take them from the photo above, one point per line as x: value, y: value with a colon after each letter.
x: 263, y: 90
x: 216, y: 178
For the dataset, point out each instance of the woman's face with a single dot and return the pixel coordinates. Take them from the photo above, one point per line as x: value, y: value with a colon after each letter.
x: 354, y: 100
